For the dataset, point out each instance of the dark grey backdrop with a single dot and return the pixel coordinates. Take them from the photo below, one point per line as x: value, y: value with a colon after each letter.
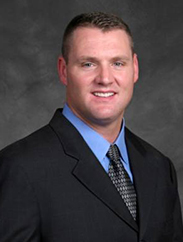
x: 30, y: 40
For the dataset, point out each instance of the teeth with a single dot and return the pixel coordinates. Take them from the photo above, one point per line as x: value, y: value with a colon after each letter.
x: 102, y: 94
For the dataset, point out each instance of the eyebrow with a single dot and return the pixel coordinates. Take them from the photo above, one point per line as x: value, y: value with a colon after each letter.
x: 94, y: 59
x: 87, y: 58
x: 122, y: 58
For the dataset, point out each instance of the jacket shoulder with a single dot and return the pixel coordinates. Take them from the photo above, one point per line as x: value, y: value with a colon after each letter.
x: 31, y: 148
x: 143, y: 146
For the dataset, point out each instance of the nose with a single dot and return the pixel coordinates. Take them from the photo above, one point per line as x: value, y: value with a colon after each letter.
x: 104, y: 76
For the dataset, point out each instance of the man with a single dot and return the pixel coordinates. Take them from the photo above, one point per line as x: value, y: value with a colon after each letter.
x: 84, y: 176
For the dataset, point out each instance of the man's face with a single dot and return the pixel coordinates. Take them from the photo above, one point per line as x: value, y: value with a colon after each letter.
x: 100, y: 75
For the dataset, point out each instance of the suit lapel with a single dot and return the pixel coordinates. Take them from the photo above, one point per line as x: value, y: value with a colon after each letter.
x: 88, y: 169
x: 144, y: 174
x: 92, y: 175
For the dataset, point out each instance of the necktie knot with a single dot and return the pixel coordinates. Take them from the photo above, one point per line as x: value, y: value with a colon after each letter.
x: 113, y: 153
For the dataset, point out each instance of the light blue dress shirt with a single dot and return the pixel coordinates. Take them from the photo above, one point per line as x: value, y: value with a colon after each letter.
x: 97, y: 143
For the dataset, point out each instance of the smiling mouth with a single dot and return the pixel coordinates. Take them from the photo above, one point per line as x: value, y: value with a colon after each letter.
x: 103, y: 94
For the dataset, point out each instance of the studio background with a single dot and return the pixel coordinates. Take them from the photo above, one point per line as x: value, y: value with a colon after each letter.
x: 30, y: 91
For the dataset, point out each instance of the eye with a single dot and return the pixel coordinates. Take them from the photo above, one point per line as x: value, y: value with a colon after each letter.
x: 118, y: 64
x: 87, y: 64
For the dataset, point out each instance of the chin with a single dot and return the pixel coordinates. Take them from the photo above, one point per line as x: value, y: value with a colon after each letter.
x: 102, y: 115
x: 102, y: 119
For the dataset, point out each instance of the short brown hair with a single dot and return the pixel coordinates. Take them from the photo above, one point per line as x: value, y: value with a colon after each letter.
x: 103, y: 21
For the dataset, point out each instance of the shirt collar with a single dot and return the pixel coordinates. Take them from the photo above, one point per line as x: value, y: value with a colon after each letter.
x: 94, y: 140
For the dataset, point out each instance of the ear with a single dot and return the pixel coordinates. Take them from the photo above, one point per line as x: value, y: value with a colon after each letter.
x: 62, y: 70
x: 136, y: 67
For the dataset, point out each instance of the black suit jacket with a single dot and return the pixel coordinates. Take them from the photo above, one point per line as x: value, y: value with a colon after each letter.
x: 53, y: 189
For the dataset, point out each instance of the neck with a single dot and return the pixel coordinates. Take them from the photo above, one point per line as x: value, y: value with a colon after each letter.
x: 108, y: 129
x: 109, y: 132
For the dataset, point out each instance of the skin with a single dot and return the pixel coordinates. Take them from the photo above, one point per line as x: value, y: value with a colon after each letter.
x: 99, y: 77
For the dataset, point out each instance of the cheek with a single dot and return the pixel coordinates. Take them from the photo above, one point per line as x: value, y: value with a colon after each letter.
x: 73, y: 82
x: 126, y: 80
x: 76, y: 89
x: 81, y: 82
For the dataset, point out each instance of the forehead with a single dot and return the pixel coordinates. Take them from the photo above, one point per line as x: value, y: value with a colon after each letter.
x: 89, y: 39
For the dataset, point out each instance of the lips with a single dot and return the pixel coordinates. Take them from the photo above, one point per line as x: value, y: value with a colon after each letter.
x: 103, y: 94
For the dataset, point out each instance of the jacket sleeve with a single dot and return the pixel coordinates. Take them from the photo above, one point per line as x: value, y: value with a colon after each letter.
x: 178, y: 227
x: 19, y: 213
